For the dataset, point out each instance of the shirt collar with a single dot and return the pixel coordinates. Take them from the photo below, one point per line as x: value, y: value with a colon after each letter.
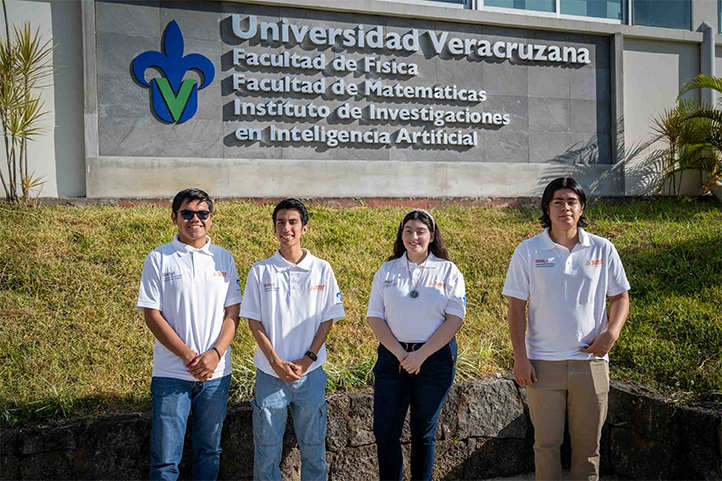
x: 432, y: 262
x: 281, y: 264
x: 184, y: 249
x: 548, y: 243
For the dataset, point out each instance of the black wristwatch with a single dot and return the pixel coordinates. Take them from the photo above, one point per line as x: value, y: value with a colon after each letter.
x: 312, y: 355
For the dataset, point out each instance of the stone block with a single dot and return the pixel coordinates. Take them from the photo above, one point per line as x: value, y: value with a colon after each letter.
x: 194, y: 138
x: 505, y: 78
x: 549, y: 115
x: 516, y: 107
x: 120, y: 96
x: 337, y: 432
x: 291, y: 464
x: 491, y: 409
x: 549, y: 81
x: 451, y: 457
x: 589, y: 116
x: 589, y: 83
x: 638, y: 457
x: 197, y: 20
x: 448, y: 419
x: 116, y: 52
x: 492, y: 458
x: 9, y: 468
x: 132, y: 17
x: 130, y: 137
x: 48, y: 440
x: 237, y: 443
x: 548, y: 146
x: 699, y: 430
x: 51, y: 465
x: 506, y: 145
x: 355, y: 464
x: 360, y: 423
x: 8, y: 442
x: 647, y: 414
x: 110, y: 447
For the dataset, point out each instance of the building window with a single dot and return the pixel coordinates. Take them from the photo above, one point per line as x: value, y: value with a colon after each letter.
x: 663, y: 13
x: 611, y: 9
x: 535, y: 5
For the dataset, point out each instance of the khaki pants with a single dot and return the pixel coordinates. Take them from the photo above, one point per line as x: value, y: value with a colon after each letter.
x: 578, y: 389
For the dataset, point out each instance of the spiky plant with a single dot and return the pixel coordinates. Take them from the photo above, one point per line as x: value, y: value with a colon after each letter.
x: 25, y: 66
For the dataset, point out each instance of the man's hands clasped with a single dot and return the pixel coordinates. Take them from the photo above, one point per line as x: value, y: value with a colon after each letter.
x: 202, y: 366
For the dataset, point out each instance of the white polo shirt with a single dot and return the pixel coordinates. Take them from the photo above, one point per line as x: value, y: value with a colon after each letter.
x: 441, y: 291
x: 566, y: 291
x: 291, y: 301
x: 191, y: 288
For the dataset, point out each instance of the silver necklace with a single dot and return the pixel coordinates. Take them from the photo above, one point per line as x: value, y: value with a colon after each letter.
x: 414, y: 293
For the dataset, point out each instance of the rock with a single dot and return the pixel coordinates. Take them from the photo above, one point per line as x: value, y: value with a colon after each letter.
x: 237, y: 443
x: 337, y: 432
x: 46, y: 440
x: 361, y: 418
x: 493, y: 457
x: 109, y: 447
x: 9, y: 468
x: 291, y: 464
x: 491, y: 409
x: 50, y: 465
x: 448, y: 420
x: 8, y: 442
x: 655, y: 419
x: 355, y: 464
x: 638, y: 457
x: 699, y: 430
x: 451, y: 459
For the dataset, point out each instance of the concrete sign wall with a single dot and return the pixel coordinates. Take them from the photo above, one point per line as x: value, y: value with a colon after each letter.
x: 249, y: 100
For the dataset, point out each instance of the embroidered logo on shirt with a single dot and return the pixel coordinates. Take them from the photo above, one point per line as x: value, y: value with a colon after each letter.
x: 435, y: 284
x: 550, y: 262
x: 389, y: 282
x: 171, y: 276
x: 338, y: 296
x: 219, y: 274
x: 270, y: 287
x: 595, y: 263
x: 319, y: 287
x: 464, y: 300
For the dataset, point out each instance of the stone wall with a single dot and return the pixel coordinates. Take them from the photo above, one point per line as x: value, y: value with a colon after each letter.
x: 484, y: 432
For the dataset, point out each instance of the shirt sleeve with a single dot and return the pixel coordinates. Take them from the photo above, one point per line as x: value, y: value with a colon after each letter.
x: 251, y: 305
x: 517, y: 277
x: 456, y: 293
x: 150, y: 293
x: 333, y: 310
x: 616, y: 277
x: 376, y: 300
x: 233, y: 296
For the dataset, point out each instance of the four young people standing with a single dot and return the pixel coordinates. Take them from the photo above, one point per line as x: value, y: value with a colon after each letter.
x: 190, y: 294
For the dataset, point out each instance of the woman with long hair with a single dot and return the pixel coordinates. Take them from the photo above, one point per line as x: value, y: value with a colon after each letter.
x: 417, y: 305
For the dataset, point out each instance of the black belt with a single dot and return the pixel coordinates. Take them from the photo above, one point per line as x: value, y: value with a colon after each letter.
x: 411, y: 346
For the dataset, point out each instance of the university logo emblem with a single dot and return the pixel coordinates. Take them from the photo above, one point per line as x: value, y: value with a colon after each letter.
x: 173, y: 99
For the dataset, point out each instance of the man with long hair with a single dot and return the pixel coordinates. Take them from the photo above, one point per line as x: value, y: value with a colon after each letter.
x: 565, y: 275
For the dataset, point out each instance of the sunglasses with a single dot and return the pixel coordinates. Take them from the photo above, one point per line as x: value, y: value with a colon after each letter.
x: 188, y: 214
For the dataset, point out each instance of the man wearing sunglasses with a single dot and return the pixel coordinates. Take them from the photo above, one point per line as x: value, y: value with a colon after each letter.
x: 190, y: 296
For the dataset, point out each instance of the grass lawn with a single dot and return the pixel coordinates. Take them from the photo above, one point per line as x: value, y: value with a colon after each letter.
x: 72, y: 342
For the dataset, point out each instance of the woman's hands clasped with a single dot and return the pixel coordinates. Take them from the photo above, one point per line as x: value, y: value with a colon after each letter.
x: 411, y: 361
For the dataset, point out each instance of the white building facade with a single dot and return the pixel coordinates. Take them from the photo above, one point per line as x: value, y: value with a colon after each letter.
x: 380, y: 98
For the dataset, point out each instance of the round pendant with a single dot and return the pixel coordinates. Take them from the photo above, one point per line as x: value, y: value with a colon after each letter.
x: 413, y: 294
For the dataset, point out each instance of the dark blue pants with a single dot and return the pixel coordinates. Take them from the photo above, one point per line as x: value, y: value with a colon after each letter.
x: 425, y: 392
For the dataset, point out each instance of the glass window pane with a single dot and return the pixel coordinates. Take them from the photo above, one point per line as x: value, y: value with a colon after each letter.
x: 593, y: 8
x: 536, y: 5
x: 663, y: 13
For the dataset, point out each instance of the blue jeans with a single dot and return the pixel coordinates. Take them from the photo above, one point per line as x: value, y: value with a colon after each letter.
x: 425, y: 392
x: 307, y: 398
x: 173, y: 399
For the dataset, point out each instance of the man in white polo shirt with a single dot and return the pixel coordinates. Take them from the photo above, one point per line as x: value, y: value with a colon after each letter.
x: 565, y: 275
x: 190, y: 296
x: 291, y: 300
